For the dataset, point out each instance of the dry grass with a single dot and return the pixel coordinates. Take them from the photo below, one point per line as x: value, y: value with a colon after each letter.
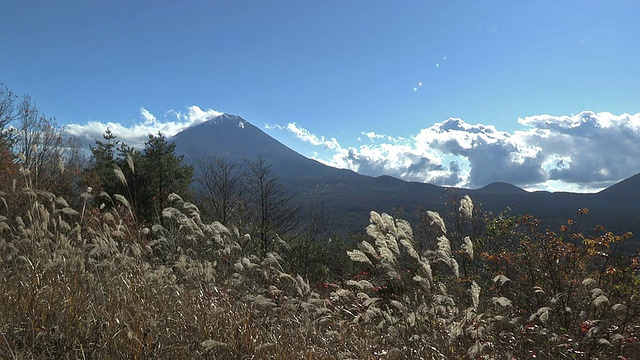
x: 94, y: 284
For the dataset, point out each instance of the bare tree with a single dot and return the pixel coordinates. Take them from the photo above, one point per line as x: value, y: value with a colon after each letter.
x: 39, y: 142
x: 218, y: 186
x: 7, y: 115
x: 274, y: 211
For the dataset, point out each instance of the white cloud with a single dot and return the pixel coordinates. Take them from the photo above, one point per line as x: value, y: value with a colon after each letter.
x: 373, y: 136
x: 583, y: 152
x: 136, y: 134
x: 396, y: 158
x: 149, y: 119
x: 304, y: 135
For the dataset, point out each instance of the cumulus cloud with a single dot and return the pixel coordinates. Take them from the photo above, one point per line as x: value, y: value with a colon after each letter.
x: 135, y: 135
x: 588, y: 148
x: 395, y: 158
x: 583, y: 152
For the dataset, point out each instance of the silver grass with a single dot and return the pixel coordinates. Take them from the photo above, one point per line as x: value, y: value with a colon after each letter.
x: 211, y: 344
x: 60, y: 165
x: 69, y: 211
x: 466, y: 207
x: 455, y: 267
x: 374, y: 231
x: 104, y: 194
x: 173, y: 197
x: 603, y: 341
x: 475, y: 294
x: 303, y: 285
x: 123, y: 200
x: 247, y: 263
x: 437, y: 221
x: 371, y: 301
x: 404, y: 230
x: 426, y: 267
x: 501, y: 279
x: 600, y: 300
x: 542, y: 313
x: 359, y: 256
x: 365, y: 284
x: 354, y: 284
x: 398, y: 305
x: 367, y: 248
x: 392, y: 244
x: 47, y: 195
x: 444, y: 249
x: 616, y: 337
x: 344, y: 293
x: 410, y: 249
x: 30, y: 192
x: 594, y: 331
x: 618, y: 307
x: 467, y: 246
x: 388, y: 225
x: 387, y: 255
x: 237, y: 267
x: 444, y: 254
x: 130, y: 163
x: 262, y: 301
x: 375, y: 218
x: 475, y: 350
x: 502, y: 301
x: 293, y: 280
x: 588, y: 282
x: 120, y: 175
x: 419, y: 279
x: 271, y: 259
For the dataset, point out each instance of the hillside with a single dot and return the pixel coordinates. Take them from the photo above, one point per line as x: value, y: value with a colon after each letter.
x: 349, y: 196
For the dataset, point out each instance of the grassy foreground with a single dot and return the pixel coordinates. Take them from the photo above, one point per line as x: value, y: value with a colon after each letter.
x: 85, y: 283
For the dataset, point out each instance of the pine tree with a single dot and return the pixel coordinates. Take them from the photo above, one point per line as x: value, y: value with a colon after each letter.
x: 161, y: 173
x: 104, y: 162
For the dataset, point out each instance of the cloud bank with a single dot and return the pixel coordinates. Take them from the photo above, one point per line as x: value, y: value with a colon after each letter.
x: 136, y: 134
x: 580, y: 153
x: 583, y: 152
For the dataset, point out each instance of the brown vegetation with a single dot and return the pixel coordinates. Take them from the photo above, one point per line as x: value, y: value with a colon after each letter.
x: 90, y: 283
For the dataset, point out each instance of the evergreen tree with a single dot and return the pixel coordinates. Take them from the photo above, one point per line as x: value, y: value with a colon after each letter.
x: 104, y: 162
x: 161, y: 172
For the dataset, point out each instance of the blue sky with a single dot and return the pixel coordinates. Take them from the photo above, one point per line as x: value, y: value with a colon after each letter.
x: 540, y: 88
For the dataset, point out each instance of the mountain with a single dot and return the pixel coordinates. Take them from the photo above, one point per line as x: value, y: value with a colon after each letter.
x: 232, y: 137
x: 349, y: 197
x: 500, y: 188
x: 627, y: 187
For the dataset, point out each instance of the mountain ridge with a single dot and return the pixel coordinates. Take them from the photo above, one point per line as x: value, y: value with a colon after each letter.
x: 350, y: 196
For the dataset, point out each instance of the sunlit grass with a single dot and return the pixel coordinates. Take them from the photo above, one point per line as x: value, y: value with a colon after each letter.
x: 95, y: 284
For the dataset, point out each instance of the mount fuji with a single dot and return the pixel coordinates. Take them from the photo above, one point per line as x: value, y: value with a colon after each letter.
x: 349, y: 197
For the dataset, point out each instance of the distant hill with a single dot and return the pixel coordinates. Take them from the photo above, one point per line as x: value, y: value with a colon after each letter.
x: 628, y: 188
x: 348, y: 196
x: 500, y: 188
